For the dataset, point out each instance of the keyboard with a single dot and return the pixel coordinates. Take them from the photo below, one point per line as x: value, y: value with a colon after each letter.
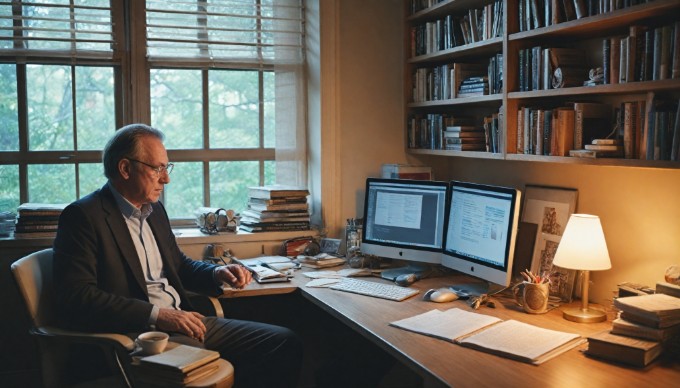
x: 374, y: 289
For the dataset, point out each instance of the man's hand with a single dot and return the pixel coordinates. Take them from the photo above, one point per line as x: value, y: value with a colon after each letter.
x: 235, y: 275
x: 184, y: 322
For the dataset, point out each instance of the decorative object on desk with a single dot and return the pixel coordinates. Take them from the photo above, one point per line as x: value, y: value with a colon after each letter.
x: 672, y: 274
x: 330, y: 246
x: 550, y: 208
x: 294, y: 247
x: 352, y: 238
x: 583, y: 247
x: 215, y: 220
x: 533, y: 293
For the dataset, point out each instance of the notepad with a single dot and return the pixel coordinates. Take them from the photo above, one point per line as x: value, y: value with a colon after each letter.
x: 512, y: 339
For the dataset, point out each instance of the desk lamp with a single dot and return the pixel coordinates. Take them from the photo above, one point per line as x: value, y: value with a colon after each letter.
x: 583, y: 248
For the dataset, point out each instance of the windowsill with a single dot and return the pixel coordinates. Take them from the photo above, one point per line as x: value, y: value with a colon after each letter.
x: 184, y: 236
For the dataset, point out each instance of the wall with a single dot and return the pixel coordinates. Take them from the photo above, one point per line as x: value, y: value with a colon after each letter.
x: 639, y: 208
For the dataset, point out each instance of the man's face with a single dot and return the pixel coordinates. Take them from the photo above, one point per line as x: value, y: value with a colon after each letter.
x: 142, y: 183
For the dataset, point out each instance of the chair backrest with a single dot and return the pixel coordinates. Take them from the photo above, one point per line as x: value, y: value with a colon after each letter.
x: 33, y: 274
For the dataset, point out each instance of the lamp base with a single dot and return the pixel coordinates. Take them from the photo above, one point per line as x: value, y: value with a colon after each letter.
x: 581, y: 315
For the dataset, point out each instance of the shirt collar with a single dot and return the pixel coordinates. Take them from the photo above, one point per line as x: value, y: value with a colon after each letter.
x: 127, y: 208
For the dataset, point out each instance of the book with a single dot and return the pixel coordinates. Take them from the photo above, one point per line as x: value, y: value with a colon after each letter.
x: 264, y: 274
x: 654, y: 310
x: 276, y: 191
x: 510, y: 338
x: 631, y: 329
x: 627, y: 350
x: 592, y: 121
x: 604, y: 147
x: 563, y: 133
x: 181, y: 359
x: 594, y: 154
x: 668, y: 289
x: 267, y: 214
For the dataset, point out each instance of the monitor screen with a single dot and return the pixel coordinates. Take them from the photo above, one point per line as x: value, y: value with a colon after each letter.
x: 404, y: 219
x: 480, y: 231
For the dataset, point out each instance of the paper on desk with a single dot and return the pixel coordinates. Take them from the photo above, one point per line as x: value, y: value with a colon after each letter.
x: 322, y: 275
x: 323, y: 282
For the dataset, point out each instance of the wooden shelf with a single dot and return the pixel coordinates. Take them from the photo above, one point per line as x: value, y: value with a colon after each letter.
x: 627, y: 88
x: 484, y: 47
x: 603, y: 24
x: 614, y: 162
x: 583, y: 32
x: 491, y: 99
x: 444, y: 8
x: 464, y: 154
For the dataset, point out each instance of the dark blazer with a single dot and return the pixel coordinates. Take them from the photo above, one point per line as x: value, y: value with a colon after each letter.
x: 98, y: 275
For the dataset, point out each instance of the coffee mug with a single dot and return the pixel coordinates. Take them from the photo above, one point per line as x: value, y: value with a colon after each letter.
x: 152, y: 342
x: 533, y: 297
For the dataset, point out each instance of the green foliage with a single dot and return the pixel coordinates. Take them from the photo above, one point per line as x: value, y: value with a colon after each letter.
x: 51, y: 183
x: 50, y: 113
x: 176, y: 101
x: 95, y: 118
x: 234, y: 109
x: 9, y: 187
x: 229, y: 182
x: 9, y: 122
x: 184, y: 194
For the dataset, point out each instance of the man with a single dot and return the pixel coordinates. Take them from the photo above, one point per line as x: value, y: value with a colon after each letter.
x: 117, y: 268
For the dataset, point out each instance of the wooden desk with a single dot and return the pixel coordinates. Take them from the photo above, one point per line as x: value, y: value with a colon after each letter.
x: 441, y: 363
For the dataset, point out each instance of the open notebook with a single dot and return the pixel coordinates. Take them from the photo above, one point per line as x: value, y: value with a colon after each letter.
x: 512, y: 339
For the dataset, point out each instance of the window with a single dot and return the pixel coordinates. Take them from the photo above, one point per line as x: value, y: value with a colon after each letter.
x: 223, y: 79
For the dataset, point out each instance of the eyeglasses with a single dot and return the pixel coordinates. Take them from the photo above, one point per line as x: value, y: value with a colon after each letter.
x: 159, y: 170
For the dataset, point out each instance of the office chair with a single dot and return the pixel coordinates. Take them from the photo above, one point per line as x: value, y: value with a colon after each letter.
x: 33, y: 274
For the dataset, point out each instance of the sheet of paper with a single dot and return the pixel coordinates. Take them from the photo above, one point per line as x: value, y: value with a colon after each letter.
x: 323, y: 282
x: 447, y: 325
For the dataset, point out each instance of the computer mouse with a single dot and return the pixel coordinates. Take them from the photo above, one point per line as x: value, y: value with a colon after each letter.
x: 406, y: 279
x: 441, y: 295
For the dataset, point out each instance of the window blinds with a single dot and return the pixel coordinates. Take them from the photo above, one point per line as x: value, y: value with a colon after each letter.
x: 262, y: 32
x: 57, y: 28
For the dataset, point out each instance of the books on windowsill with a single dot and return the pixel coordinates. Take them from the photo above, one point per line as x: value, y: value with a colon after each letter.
x: 276, y: 208
x: 510, y: 338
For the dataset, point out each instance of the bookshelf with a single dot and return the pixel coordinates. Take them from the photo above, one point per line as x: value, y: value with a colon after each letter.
x: 586, y: 33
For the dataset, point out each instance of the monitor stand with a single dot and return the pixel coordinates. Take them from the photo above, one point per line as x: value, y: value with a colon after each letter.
x: 420, y: 270
x: 475, y: 288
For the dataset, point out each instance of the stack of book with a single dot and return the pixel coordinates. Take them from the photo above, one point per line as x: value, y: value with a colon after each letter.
x: 275, y: 208
x: 465, y: 138
x: 37, y: 220
x: 646, y: 326
x: 474, y: 86
x: 176, y: 367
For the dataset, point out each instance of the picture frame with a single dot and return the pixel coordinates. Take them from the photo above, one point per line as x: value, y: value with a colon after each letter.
x: 550, y: 209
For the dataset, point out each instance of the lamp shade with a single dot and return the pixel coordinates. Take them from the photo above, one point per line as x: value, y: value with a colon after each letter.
x: 583, y: 246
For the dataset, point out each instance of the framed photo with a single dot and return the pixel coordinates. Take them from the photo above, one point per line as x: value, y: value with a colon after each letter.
x: 550, y: 209
x: 561, y: 279
x: 330, y: 246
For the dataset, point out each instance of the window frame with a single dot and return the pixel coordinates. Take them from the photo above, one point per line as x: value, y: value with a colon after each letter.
x: 131, y: 71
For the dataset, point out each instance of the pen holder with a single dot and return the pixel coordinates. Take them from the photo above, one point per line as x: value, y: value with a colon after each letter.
x: 533, y: 297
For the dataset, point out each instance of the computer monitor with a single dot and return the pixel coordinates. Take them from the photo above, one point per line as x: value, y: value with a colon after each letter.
x: 480, y: 233
x: 404, y: 219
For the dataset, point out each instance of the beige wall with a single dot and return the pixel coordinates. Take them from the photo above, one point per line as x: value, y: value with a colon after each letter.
x: 639, y: 208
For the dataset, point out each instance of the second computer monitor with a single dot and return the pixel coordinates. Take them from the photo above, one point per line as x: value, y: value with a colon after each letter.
x: 480, y: 231
x: 404, y: 219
